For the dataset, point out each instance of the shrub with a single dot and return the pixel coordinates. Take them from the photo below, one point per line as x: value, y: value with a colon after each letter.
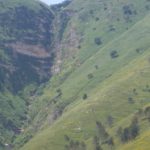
x: 135, y: 91
x: 97, y: 19
x: 128, y: 11
x: 118, y: 19
x: 94, y: 29
x: 91, y: 12
x: 125, y: 135
x: 66, y: 137
x: 75, y: 145
x: 59, y: 92
x: 84, y: 96
x: 139, y: 50
x: 79, y: 47
x: 147, y: 7
x: 90, y: 76
x: 134, y: 129
x: 146, y: 88
x: 114, y: 54
x: 130, y: 100
x: 98, y: 41
x: 147, y: 113
x: 96, y: 67
x: 112, y: 28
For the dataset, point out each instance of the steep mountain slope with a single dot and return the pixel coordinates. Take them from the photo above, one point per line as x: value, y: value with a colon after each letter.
x: 79, y: 122
x: 25, y: 43
x: 119, y: 93
x: 99, y: 94
x: 103, y: 74
x: 26, y: 57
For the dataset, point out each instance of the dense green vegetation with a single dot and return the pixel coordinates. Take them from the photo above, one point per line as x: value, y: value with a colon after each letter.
x: 100, y: 97
x: 25, y: 27
x: 121, y: 99
x: 20, y: 22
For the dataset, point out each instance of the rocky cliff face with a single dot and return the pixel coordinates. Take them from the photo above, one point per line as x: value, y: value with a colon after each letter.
x: 26, y: 41
x: 30, y: 35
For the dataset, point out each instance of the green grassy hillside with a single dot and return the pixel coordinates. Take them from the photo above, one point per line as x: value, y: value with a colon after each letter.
x: 98, y: 97
x: 104, y: 79
x: 108, y: 98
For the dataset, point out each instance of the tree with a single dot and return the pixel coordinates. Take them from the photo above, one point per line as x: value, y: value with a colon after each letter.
x: 134, y: 128
x: 110, y: 120
x: 74, y: 145
x: 96, y: 143
x: 83, y: 146
x: 59, y: 92
x: 96, y: 67
x: 101, y: 131
x: 125, y: 135
x: 66, y: 137
x: 119, y: 132
x: 147, y: 113
x: 127, y: 10
x: 110, y: 142
x: 134, y: 131
x: 85, y: 96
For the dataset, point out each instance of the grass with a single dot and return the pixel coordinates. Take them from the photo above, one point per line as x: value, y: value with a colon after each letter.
x: 112, y: 99
x: 108, y: 91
